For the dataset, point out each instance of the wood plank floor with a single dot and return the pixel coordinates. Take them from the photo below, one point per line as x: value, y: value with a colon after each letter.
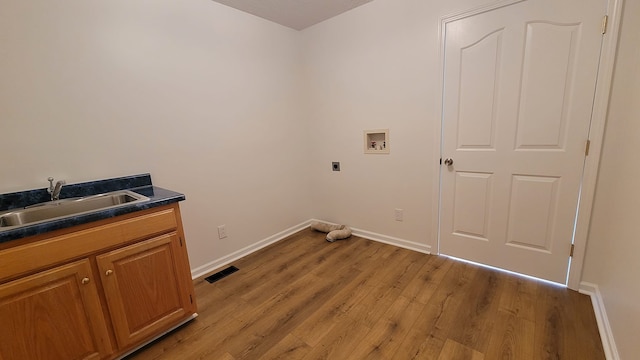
x: 305, y: 298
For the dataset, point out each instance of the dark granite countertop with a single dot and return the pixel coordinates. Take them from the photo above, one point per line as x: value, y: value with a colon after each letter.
x: 140, y: 184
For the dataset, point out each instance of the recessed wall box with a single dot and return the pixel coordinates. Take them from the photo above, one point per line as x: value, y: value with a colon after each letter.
x: 376, y: 141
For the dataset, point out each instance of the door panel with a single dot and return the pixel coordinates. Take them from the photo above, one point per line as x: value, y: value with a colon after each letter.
x: 549, y: 61
x: 519, y: 81
x: 532, y: 211
x: 478, y: 79
x: 472, y: 200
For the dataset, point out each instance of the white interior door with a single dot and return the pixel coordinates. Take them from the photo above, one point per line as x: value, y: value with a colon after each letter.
x: 519, y: 83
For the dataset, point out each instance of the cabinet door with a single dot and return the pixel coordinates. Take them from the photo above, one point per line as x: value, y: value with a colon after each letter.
x: 144, y: 288
x: 55, y: 314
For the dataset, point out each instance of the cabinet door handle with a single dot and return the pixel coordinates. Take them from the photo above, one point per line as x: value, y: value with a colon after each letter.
x: 85, y: 281
x: 108, y: 272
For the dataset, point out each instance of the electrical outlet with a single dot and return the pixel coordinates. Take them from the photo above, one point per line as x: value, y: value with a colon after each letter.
x: 222, y: 231
x: 399, y: 214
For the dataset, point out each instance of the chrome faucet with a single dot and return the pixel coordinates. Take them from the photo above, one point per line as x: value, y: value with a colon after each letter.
x: 54, y: 190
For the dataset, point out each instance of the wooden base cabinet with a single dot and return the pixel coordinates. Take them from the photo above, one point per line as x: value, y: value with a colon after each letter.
x: 95, y: 292
x: 143, y: 287
x: 53, y: 315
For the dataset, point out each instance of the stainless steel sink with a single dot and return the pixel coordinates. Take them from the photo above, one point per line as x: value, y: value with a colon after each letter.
x: 52, y: 210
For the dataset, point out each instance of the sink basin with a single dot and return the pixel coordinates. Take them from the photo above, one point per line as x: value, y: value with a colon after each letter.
x: 68, y: 207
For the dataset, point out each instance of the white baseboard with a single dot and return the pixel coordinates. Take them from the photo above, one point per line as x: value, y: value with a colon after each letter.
x: 225, y: 260
x: 608, y: 343
x: 406, y: 244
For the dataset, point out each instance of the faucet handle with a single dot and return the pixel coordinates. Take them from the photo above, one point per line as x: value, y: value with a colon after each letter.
x: 50, y: 189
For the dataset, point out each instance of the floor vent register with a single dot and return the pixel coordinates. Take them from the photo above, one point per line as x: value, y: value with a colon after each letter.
x: 221, y: 274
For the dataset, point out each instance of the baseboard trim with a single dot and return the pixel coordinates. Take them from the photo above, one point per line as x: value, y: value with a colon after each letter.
x: 225, y: 260
x: 390, y: 240
x: 608, y: 343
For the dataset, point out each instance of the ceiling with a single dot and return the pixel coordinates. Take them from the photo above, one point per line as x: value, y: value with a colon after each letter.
x: 296, y: 14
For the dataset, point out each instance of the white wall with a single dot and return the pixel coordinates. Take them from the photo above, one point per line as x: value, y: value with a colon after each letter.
x: 202, y: 96
x: 614, y: 245
x: 374, y: 67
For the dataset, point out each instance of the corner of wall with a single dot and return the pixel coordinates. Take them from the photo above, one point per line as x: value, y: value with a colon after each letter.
x: 386, y: 239
x: 225, y: 260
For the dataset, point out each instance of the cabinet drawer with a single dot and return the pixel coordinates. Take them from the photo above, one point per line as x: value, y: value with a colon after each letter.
x: 34, y: 256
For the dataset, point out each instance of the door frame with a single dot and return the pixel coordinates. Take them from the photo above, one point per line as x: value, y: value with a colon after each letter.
x: 596, y: 130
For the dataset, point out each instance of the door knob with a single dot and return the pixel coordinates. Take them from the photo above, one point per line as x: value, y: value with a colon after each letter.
x: 85, y: 281
x: 108, y: 272
x: 448, y: 161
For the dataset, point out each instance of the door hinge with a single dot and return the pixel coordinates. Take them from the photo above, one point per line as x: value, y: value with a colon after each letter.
x: 191, y: 298
x: 572, y: 249
x: 180, y: 237
x: 587, y: 147
x: 440, y: 161
x: 605, y: 20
